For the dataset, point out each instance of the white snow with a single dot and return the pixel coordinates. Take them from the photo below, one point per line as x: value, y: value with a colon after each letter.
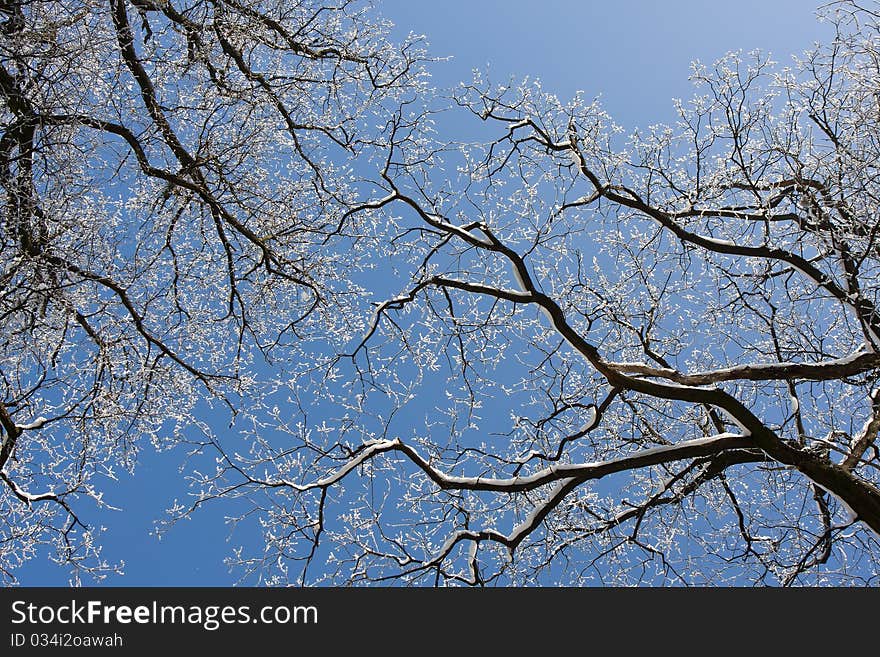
x: 732, y: 371
x: 372, y: 449
x: 438, y: 221
x: 735, y: 421
x: 528, y: 524
x: 852, y: 516
x: 36, y: 424
x: 555, y: 471
x: 23, y: 495
x: 522, y: 284
x: 590, y: 420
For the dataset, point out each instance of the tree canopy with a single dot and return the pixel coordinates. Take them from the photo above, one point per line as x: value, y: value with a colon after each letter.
x: 557, y: 353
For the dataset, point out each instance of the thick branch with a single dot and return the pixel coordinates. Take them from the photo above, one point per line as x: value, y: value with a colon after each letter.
x: 823, y: 371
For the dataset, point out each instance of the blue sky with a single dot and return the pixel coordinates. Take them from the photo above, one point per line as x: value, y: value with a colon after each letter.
x: 634, y: 53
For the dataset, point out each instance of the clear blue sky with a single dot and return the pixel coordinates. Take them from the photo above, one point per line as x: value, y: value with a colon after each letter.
x: 634, y: 53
